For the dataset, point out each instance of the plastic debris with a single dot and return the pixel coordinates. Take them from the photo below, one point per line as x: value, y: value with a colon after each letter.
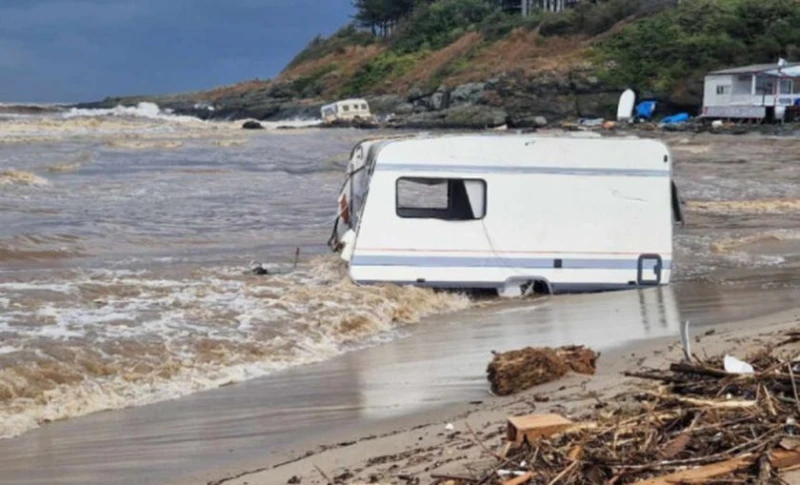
x: 733, y: 365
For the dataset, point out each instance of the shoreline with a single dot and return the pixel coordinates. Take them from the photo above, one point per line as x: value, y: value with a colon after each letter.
x: 416, y: 446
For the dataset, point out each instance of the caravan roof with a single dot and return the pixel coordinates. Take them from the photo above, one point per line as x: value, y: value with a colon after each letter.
x: 507, y: 153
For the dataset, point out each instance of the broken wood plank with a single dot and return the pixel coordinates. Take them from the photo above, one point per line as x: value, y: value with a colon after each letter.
x: 703, y: 472
x: 711, y: 403
x: 520, y: 479
x: 782, y: 459
x: 702, y: 370
x: 531, y: 427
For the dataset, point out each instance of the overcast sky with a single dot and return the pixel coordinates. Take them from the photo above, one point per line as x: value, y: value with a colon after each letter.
x: 84, y: 50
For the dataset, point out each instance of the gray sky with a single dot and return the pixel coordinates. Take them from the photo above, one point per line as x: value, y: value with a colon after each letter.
x: 84, y: 50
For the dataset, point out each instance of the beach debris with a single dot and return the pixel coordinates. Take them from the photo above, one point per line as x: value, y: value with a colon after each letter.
x: 517, y: 370
x: 521, y: 428
x: 523, y: 478
x: 698, y: 421
x: 259, y: 270
x: 736, y: 366
x: 252, y: 125
x: 685, y: 341
x: 449, y: 427
x: 324, y: 475
x: 590, y: 122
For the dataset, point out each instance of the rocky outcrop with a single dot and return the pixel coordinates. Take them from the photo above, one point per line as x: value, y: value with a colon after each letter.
x: 514, y: 99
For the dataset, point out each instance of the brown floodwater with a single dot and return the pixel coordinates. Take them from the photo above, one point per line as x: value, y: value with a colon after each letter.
x: 123, y: 254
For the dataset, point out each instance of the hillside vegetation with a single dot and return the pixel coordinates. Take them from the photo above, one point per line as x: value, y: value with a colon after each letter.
x: 654, y: 45
x: 475, y: 63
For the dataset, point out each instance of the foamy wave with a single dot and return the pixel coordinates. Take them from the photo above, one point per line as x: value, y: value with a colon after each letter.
x: 109, y: 340
x: 730, y: 245
x: 142, y: 110
x: 292, y: 123
x: 763, y: 206
x: 129, y: 144
x: 13, y: 176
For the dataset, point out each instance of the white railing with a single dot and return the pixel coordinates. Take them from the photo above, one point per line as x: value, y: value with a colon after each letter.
x: 764, y: 100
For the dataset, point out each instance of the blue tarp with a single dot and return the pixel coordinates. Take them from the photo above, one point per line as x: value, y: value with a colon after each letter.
x: 646, y: 109
x: 676, y: 119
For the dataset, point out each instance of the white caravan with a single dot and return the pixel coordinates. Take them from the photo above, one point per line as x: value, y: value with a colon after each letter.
x: 346, y: 110
x: 509, y: 212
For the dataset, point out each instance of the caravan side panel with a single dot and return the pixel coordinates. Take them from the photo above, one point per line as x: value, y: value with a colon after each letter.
x: 589, y: 222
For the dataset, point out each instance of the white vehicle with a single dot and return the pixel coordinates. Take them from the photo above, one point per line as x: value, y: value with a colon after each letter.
x: 346, y: 110
x: 509, y: 212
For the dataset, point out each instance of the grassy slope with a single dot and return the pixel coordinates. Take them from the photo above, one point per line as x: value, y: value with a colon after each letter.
x: 648, y: 44
x: 377, y: 69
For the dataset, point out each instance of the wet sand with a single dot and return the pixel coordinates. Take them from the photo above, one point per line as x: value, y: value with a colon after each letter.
x: 441, y: 442
x: 437, y: 371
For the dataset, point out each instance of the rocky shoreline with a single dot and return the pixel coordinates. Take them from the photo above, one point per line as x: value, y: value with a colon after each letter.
x: 513, y: 99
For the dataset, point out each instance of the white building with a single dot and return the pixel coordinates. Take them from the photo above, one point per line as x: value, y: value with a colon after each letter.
x: 758, y: 92
x: 509, y: 212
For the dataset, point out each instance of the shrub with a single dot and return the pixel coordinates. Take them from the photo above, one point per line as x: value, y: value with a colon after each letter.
x: 320, y: 46
x: 387, y: 65
x: 437, y: 24
x: 681, y: 45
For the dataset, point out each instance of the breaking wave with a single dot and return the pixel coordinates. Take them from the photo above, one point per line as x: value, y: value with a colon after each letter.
x: 144, y: 110
x: 13, y: 176
x: 113, y: 339
x: 730, y: 245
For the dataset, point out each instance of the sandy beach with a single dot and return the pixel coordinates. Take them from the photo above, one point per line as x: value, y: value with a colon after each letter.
x: 427, y: 446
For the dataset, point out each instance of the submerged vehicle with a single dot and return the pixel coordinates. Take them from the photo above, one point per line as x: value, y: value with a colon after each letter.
x: 513, y: 213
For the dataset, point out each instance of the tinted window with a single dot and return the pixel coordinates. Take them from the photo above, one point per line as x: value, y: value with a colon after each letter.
x: 441, y: 198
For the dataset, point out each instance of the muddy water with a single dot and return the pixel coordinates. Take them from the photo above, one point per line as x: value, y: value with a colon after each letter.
x: 121, y: 283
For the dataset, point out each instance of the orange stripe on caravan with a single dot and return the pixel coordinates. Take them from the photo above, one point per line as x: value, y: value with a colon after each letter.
x: 500, y: 252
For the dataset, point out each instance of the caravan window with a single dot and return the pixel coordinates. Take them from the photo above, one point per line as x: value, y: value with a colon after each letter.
x: 441, y: 198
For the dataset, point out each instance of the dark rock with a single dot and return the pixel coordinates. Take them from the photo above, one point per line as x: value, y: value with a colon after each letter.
x: 465, y: 117
x: 466, y: 94
x: 252, y: 125
x: 388, y: 103
x: 260, y: 270
x: 440, y: 99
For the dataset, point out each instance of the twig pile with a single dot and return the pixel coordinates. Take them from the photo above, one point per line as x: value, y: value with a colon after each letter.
x: 700, y: 424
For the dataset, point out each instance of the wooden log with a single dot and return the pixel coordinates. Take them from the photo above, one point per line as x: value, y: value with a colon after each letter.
x: 710, y: 403
x: 703, y: 472
x: 517, y: 370
x: 520, y: 479
x: 695, y: 369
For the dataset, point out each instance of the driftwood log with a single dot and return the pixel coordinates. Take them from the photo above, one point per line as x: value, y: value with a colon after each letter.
x: 517, y: 370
